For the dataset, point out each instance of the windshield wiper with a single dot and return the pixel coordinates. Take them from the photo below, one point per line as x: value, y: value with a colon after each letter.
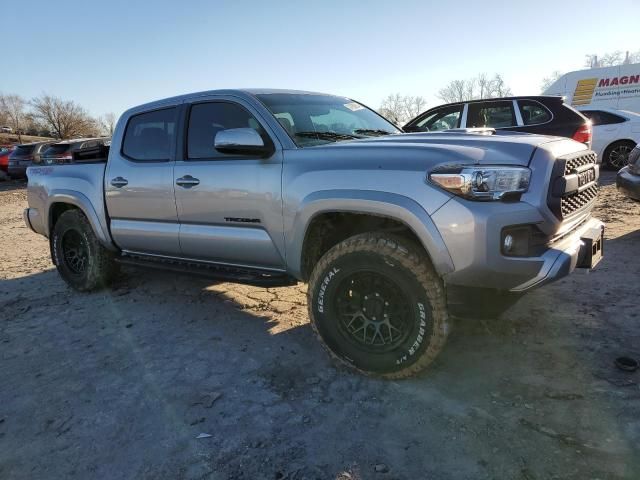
x: 335, y: 136
x: 374, y: 132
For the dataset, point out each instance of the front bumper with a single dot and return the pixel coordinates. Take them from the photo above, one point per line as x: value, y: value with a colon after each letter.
x: 472, y: 233
x: 563, y: 257
x: 628, y: 183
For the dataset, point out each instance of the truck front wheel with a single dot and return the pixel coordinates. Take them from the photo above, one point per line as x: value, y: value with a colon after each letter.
x: 78, y: 255
x: 377, y: 304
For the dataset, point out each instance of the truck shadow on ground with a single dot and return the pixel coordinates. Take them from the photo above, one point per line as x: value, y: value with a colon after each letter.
x: 120, y: 383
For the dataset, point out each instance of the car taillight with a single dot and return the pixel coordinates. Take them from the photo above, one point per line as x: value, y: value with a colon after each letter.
x: 583, y: 134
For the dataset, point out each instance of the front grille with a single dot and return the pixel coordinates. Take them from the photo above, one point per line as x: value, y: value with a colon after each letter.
x: 579, y: 161
x: 565, y: 205
x: 577, y: 201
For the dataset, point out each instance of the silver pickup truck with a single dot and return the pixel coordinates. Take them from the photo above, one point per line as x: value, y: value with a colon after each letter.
x: 393, y: 232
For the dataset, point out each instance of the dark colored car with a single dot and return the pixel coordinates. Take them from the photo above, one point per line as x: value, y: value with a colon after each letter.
x: 24, y: 156
x: 5, y: 151
x: 544, y: 115
x: 628, y: 179
x: 77, y: 150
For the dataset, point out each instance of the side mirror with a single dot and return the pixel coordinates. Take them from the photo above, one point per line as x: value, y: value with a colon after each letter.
x: 241, y: 141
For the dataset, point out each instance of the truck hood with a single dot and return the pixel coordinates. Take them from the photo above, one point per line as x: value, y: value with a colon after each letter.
x: 500, y: 148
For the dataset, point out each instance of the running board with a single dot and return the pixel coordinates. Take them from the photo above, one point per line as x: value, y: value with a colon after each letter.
x: 227, y: 273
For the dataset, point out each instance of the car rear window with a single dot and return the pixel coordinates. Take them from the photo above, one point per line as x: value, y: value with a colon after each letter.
x: 149, y: 136
x: 24, y: 150
x: 599, y: 117
x: 533, y: 113
x: 58, y: 148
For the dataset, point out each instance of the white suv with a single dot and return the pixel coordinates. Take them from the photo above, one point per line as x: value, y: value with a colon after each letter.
x: 615, y: 133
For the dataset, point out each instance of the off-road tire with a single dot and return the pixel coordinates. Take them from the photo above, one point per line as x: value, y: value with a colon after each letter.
x: 401, y: 261
x: 606, y: 160
x: 99, y: 266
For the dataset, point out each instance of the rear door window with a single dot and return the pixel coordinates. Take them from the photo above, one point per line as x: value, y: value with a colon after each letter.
x: 533, y: 113
x: 441, y: 119
x: 150, y: 136
x: 491, y: 114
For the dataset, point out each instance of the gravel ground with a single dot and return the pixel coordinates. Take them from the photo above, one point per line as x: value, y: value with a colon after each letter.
x: 119, y: 384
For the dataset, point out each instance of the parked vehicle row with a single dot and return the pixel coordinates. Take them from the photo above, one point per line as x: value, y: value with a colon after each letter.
x: 24, y: 156
x: 394, y: 232
x: 17, y: 159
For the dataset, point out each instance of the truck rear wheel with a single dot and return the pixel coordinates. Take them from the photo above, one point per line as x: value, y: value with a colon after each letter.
x: 78, y: 255
x: 377, y: 304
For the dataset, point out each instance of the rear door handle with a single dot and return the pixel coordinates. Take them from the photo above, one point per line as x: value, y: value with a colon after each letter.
x: 119, y: 182
x: 187, y: 181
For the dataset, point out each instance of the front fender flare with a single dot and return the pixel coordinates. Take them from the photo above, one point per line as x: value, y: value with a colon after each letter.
x: 84, y: 204
x: 384, y: 204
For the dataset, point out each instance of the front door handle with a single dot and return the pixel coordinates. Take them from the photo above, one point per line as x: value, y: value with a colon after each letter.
x: 119, y: 182
x: 187, y: 181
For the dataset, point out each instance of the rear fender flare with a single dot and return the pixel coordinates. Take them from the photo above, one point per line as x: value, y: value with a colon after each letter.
x: 79, y: 200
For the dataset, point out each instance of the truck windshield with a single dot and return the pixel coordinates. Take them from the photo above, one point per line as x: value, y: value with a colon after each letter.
x: 319, y: 119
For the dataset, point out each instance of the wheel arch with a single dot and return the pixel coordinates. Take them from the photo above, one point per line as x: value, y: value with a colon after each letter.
x: 360, y: 211
x: 61, y: 201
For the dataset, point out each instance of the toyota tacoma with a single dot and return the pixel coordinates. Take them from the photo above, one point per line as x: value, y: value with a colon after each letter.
x: 394, y: 233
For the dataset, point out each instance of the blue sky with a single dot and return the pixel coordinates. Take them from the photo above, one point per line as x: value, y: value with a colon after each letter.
x: 109, y: 56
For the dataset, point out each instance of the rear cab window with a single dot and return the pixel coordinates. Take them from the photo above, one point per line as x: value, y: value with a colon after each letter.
x: 150, y: 136
x: 491, y: 114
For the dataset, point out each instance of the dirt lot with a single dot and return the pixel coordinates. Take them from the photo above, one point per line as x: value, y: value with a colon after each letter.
x: 119, y: 384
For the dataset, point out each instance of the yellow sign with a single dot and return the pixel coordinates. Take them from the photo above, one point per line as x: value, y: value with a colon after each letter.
x: 584, y: 91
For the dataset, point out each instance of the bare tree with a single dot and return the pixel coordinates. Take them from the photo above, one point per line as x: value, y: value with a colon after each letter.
x: 108, y: 123
x: 611, y: 59
x: 457, y: 91
x: 499, y: 88
x: 414, y: 106
x: 393, y: 108
x: 400, y: 109
x: 476, y: 88
x: 13, y: 107
x: 64, y: 118
x: 550, y: 80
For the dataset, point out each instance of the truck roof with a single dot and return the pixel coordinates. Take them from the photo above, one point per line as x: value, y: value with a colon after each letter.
x: 240, y: 92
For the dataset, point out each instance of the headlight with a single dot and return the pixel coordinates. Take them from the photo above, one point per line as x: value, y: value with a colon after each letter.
x: 482, y: 183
